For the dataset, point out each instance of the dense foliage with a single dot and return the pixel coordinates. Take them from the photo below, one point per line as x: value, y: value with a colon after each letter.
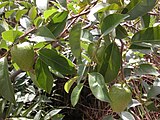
x: 80, y: 59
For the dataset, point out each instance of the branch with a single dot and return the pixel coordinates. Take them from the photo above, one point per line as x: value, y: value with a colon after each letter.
x: 14, y: 75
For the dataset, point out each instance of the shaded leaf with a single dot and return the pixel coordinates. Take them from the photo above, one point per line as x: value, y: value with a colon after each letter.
x: 146, y: 69
x: 57, y: 61
x: 98, y: 87
x: 121, y: 32
x: 138, y: 8
x: 149, y: 35
x: 145, y: 19
x: 74, y: 40
x: 76, y: 94
x: 6, y: 89
x: 44, y: 76
x: 44, y: 32
x: 154, y: 91
x: 111, y: 63
x: 110, y: 22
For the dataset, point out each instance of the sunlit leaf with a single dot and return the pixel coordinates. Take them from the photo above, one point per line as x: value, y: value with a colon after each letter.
x: 11, y: 35
x: 110, y: 22
x: 69, y: 84
x: 98, y: 86
x: 76, y: 94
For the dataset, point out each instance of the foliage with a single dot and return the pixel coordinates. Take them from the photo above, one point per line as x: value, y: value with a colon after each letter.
x: 82, y: 49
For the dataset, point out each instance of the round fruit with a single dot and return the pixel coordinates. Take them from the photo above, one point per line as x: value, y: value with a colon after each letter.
x: 120, y: 96
x: 23, y: 55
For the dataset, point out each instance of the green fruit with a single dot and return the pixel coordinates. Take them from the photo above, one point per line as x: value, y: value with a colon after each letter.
x: 23, y: 56
x: 120, y: 96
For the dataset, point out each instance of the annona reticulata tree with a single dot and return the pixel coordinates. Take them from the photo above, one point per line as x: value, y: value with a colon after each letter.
x: 23, y: 55
x: 120, y: 96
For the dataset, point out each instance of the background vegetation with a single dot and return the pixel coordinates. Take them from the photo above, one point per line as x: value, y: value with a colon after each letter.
x: 81, y: 50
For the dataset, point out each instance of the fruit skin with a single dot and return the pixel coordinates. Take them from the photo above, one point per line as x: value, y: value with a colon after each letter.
x: 23, y: 55
x: 120, y: 96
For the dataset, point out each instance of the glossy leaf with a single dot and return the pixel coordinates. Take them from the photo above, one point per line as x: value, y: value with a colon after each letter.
x: 44, y: 76
x: 74, y: 40
x: 11, y: 35
x: 111, y: 63
x: 146, y: 69
x: 110, y: 22
x: 56, y: 61
x: 76, y: 94
x: 149, y: 35
x: 138, y: 8
x: 126, y: 116
x: 98, y: 86
x: 69, y: 84
x: 6, y: 89
x: 51, y: 114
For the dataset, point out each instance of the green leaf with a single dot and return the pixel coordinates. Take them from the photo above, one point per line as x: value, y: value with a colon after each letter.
x: 74, y: 40
x: 49, y: 13
x: 76, y: 94
x: 98, y: 86
x: 11, y: 35
x: 51, y: 114
x: 126, y: 116
x: 44, y: 76
x: 20, y: 13
x: 153, y: 92
x: 145, y: 19
x: 69, y: 84
x: 57, y: 61
x: 9, y: 13
x: 121, y: 32
x: 32, y: 13
x: 149, y: 35
x: 3, y: 4
x: 138, y: 8
x: 146, y: 69
x: 56, y: 28
x: 6, y: 89
x: 60, y: 17
x: 44, y: 32
x: 63, y: 3
x: 110, y: 22
x: 111, y: 63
